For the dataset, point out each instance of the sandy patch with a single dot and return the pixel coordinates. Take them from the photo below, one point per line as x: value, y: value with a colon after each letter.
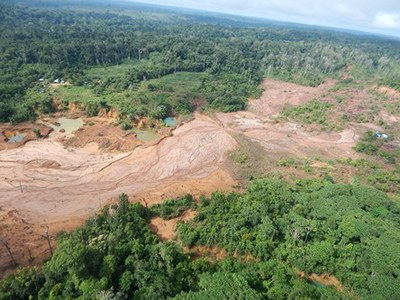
x: 290, y: 139
x: 389, y: 91
x: 277, y: 94
x: 166, y: 229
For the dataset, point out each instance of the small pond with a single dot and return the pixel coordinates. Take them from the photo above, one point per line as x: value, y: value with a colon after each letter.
x: 146, y: 135
x: 69, y: 125
x: 170, y: 122
x: 16, y: 138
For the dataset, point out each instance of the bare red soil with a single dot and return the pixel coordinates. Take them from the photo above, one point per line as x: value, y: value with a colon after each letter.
x: 26, y: 128
x: 49, y: 184
x: 166, y: 229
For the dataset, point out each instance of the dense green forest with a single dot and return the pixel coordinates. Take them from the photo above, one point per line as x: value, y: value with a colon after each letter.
x: 270, y: 232
x: 111, y: 54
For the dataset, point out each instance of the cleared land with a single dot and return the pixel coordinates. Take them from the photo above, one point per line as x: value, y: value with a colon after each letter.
x: 46, y: 183
x: 52, y: 183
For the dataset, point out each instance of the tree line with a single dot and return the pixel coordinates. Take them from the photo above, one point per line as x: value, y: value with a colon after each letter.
x: 270, y: 233
x: 40, y: 42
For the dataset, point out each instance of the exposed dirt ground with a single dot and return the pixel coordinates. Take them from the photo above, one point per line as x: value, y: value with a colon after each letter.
x: 324, y: 279
x: 23, y: 128
x: 166, y: 229
x: 277, y: 94
x: 389, y: 91
x: 290, y: 139
x: 108, y: 138
x: 48, y: 183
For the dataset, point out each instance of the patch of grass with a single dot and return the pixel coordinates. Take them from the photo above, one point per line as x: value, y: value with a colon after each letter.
x: 312, y: 79
x: 313, y: 112
x: 239, y: 156
x: 343, y: 84
x: 370, y: 144
x: 340, y: 98
x: 181, y: 83
x: 299, y: 164
x: 72, y: 93
x: 37, y: 133
x: 287, y: 162
x: 119, y: 70
x: 392, y: 81
x: 385, y: 181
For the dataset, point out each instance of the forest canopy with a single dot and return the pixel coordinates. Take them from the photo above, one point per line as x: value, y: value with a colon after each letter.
x: 270, y: 232
x: 49, y: 41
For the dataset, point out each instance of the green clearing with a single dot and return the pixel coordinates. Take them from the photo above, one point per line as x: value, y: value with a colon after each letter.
x: 180, y: 83
x: 312, y: 112
x: 71, y: 93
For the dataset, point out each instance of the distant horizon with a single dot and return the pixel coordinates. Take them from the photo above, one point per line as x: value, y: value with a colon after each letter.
x: 385, y: 24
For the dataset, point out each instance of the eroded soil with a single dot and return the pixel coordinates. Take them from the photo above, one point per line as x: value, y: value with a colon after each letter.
x: 48, y: 184
x: 58, y: 183
x: 27, y: 129
x: 277, y: 94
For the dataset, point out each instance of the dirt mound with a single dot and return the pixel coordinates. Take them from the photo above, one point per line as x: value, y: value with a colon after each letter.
x: 108, y: 138
x: 108, y: 114
x: 42, y: 163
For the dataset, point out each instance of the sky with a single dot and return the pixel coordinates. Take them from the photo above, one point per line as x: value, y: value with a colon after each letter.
x: 377, y: 16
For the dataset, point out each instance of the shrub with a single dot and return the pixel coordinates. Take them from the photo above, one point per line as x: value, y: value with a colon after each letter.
x: 37, y: 133
x: 173, y: 208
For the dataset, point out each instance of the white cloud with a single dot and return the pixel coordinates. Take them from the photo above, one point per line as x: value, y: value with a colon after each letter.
x: 386, y: 20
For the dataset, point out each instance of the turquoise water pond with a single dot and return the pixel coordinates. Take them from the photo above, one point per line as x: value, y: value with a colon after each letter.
x: 17, y: 138
x: 170, y: 122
